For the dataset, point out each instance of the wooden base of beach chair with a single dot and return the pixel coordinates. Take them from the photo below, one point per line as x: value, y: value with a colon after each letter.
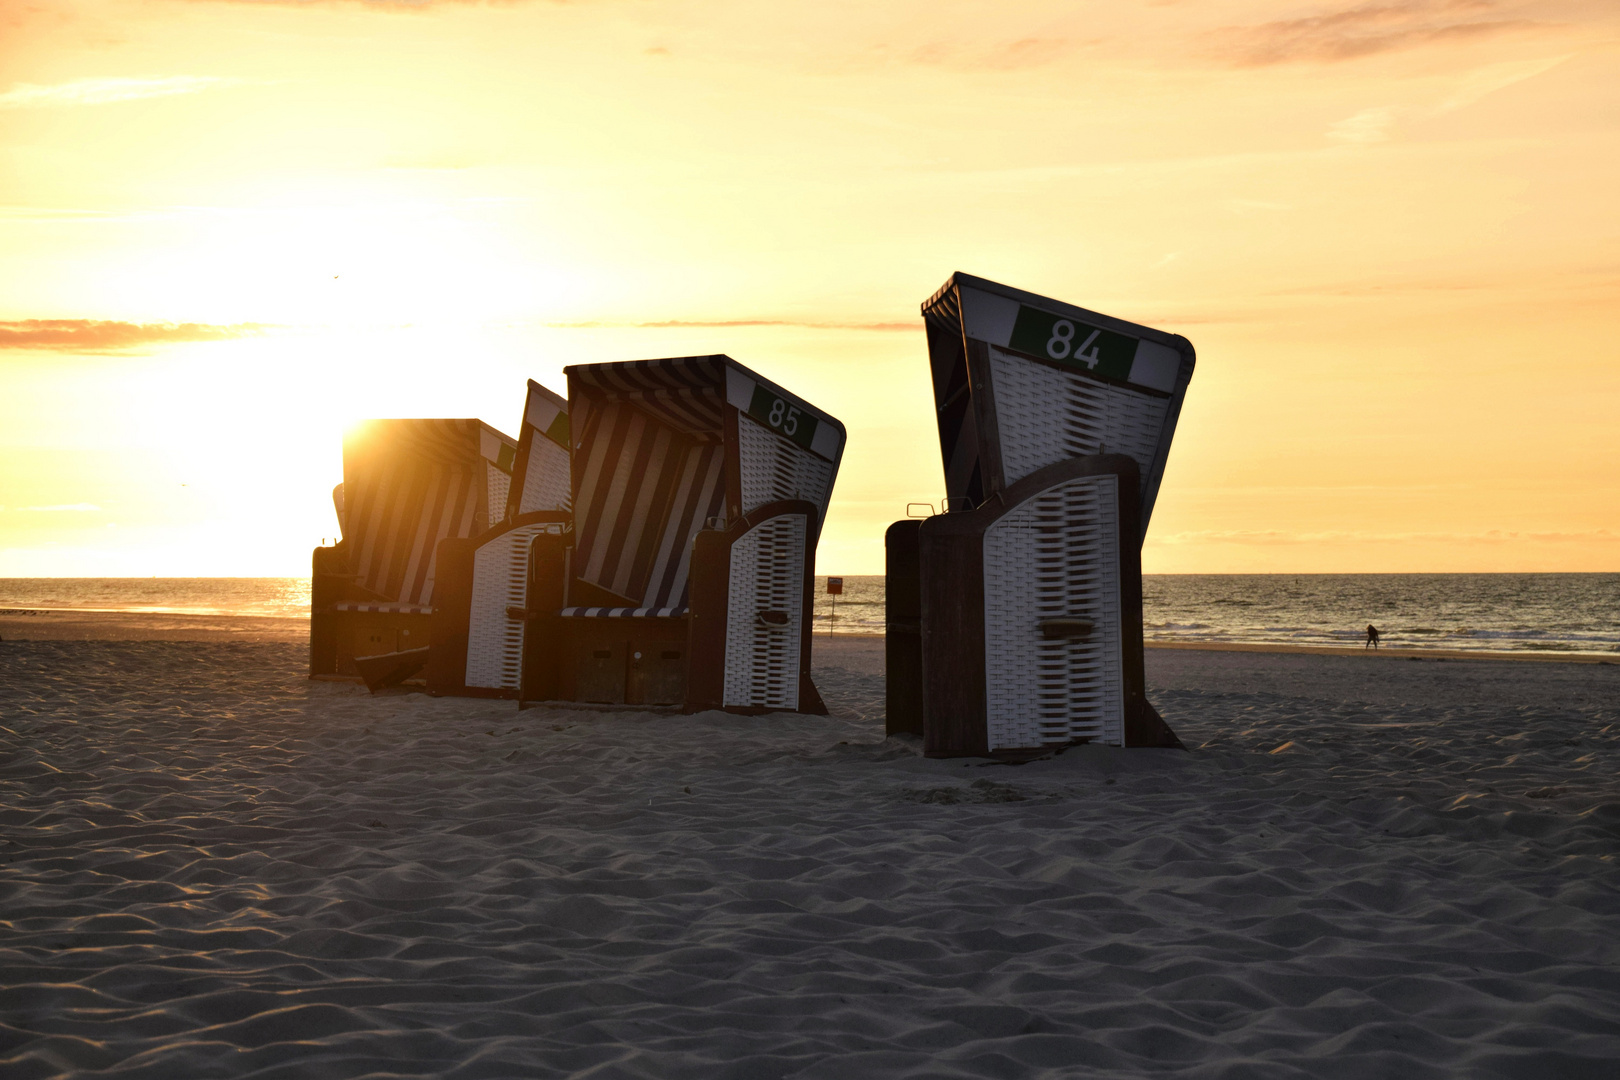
x: 902, y: 630
x: 743, y: 644
x: 390, y: 669
x: 481, y: 601
x: 1030, y: 611
x: 346, y: 623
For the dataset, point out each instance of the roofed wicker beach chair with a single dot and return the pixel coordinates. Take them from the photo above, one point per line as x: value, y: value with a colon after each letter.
x: 699, y: 493
x: 481, y: 596
x: 407, y: 485
x: 1015, y: 618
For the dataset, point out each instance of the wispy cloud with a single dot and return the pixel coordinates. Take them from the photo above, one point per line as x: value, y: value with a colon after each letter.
x: 679, y: 324
x: 376, y: 5
x: 1365, y: 30
x: 64, y: 508
x: 1488, y: 80
x: 1376, y: 124
x: 995, y: 55
x: 106, y: 91
x: 1366, y: 126
x: 100, y: 336
x: 1278, y: 537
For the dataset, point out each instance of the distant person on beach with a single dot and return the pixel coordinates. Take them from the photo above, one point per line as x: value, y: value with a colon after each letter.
x: 1372, y: 637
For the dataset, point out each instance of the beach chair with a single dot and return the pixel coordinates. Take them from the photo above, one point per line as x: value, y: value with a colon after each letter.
x: 1015, y: 623
x: 407, y: 485
x: 699, y: 493
x: 481, y: 593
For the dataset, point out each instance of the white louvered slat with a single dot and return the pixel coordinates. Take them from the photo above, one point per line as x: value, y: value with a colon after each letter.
x: 1054, y: 556
x: 767, y: 574
x: 773, y: 468
x: 494, y: 638
x: 1046, y: 415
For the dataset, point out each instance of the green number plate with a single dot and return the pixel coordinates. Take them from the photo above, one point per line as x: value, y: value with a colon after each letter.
x: 558, y: 431
x: 783, y: 416
x: 1101, y: 352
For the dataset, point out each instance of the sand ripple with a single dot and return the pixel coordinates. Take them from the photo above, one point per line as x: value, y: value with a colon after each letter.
x: 211, y: 868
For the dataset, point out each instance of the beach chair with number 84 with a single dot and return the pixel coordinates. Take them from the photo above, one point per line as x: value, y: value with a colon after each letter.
x: 1015, y: 618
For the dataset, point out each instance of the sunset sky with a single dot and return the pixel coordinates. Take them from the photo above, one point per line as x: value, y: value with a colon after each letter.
x: 1392, y: 231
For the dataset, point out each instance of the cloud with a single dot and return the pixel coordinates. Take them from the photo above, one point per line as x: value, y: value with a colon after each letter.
x: 106, y: 91
x: 1495, y: 77
x: 1022, y: 53
x: 376, y: 5
x: 74, y: 508
x: 1366, y: 126
x: 1278, y: 537
x: 1373, y: 125
x: 1364, y: 30
x: 98, y: 336
x: 682, y: 324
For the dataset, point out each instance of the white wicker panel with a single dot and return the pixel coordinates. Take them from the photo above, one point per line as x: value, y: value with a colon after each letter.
x: 494, y: 639
x: 1046, y: 416
x: 1055, y: 556
x: 545, y: 485
x: 775, y: 468
x: 499, y: 484
x: 767, y: 574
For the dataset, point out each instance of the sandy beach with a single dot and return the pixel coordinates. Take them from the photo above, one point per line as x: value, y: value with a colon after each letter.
x: 1364, y: 867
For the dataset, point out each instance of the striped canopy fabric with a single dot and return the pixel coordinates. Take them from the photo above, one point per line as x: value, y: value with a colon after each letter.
x: 652, y: 466
x: 958, y: 430
x: 649, y: 471
x: 407, y: 484
x: 684, y: 392
x: 643, y: 490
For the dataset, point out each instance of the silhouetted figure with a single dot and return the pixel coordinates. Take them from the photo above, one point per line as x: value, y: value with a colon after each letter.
x: 1372, y: 637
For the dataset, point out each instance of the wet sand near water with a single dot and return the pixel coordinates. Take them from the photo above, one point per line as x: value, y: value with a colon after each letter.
x: 32, y: 624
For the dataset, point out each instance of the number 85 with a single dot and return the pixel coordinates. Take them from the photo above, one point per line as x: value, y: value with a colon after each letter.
x: 784, y: 416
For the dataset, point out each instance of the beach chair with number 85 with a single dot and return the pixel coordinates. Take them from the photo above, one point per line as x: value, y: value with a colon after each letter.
x: 699, y: 492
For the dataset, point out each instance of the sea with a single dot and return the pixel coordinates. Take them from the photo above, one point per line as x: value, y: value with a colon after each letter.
x: 1559, y: 613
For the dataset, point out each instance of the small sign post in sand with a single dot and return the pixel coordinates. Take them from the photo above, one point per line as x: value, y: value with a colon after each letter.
x: 835, y: 589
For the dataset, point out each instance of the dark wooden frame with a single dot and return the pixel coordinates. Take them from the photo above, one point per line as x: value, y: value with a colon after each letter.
x: 554, y: 644
x: 452, y: 606
x: 332, y: 632
x: 902, y: 630
x: 950, y: 560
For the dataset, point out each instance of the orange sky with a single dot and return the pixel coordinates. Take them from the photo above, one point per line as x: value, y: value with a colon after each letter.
x: 228, y: 229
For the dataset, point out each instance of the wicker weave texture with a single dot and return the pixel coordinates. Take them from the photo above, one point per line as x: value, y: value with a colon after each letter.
x: 546, y: 483
x: 498, y: 485
x: 1046, y: 416
x: 773, y: 468
x: 767, y: 574
x: 1055, y: 556
x: 495, y: 639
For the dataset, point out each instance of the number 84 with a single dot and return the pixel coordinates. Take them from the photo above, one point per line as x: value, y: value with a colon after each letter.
x: 1062, y: 340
